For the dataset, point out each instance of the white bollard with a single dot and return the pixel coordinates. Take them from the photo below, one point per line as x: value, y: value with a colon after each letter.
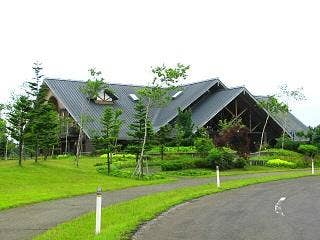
x: 312, y: 167
x: 98, y: 210
x: 218, y: 176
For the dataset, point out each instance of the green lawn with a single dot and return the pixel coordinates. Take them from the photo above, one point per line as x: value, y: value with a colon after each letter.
x: 60, y: 178
x: 55, y: 178
x: 120, y: 220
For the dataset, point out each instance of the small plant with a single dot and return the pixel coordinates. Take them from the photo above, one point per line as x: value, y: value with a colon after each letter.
x: 203, y: 144
x: 280, y: 163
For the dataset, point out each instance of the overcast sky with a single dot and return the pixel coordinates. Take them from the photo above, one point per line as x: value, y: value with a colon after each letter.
x: 259, y: 44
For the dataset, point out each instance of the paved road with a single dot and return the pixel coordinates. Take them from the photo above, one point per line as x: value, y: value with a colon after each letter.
x: 246, y: 213
x: 28, y: 221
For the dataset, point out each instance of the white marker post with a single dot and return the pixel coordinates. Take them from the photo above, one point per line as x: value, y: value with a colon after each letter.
x: 312, y: 167
x: 98, y: 210
x: 218, y: 176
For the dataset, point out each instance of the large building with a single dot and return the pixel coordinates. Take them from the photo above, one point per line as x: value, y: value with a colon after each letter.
x: 208, y: 100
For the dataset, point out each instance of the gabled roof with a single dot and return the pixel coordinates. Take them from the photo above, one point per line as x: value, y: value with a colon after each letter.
x: 69, y: 94
x: 213, y: 94
x: 213, y: 104
x: 190, y: 93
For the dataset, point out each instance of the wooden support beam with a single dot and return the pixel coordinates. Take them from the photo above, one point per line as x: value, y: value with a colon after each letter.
x: 230, y: 112
x: 254, y: 128
x: 250, y: 122
x: 242, y: 112
x: 236, y: 107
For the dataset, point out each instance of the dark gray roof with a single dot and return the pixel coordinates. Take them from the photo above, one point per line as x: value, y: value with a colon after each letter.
x: 213, y: 104
x: 288, y: 121
x: 69, y: 94
x: 190, y: 93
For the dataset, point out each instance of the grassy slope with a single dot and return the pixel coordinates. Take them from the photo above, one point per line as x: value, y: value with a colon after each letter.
x: 53, y: 179
x: 120, y: 220
x: 60, y: 178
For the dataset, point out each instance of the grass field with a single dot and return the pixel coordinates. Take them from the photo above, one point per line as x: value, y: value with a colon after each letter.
x: 60, y: 178
x: 120, y: 220
x: 55, y: 178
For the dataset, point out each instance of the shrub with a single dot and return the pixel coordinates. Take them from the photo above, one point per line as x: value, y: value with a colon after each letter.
x: 202, y: 163
x: 287, y: 144
x: 280, y: 163
x: 308, y: 150
x: 181, y: 149
x: 224, y: 158
x: 239, y: 162
x: 99, y: 164
x: 177, y: 165
x: 283, y: 154
x: 203, y: 145
x: 235, y: 135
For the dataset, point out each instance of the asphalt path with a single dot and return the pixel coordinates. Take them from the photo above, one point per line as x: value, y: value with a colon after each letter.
x: 286, y: 210
x: 28, y: 221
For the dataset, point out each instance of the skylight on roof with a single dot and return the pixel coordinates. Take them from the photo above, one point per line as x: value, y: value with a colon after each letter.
x: 133, y: 97
x: 177, y: 94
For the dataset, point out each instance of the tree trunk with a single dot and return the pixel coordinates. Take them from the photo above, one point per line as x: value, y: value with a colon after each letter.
x: 140, y: 161
x: 6, y: 151
x: 67, y: 133
x: 283, y: 133
x: 162, y: 152
x: 108, y: 163
x: 79, y: 146
x: 20, y: 152
x: 36, y: 151
x: 52, y: 153
x: 262, y: 134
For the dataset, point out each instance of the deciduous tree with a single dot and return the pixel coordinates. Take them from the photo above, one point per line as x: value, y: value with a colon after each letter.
x: 157, y: 94
x: 272, y: 107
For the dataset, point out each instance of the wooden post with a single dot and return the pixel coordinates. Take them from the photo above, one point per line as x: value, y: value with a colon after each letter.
x: 218, y: 176
x: 98, y: 210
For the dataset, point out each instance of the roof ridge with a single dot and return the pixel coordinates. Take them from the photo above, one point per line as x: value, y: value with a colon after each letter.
x: 133, y: 85
x: 81, y: 81
x: 202, y: 81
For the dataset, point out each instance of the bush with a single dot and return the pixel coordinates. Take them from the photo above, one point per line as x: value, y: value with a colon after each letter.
x: 280, y: 163
x: 287, y: 144
x: 308, y: 150
x: 225, y: 158
x: 202, y: 163
x: 283, y: 154
x: 181, y: 149
x: 175, y: 165
x: 127, y: 173
x: 239, y: 162
x: 99, y: 164
x: 203, y: 145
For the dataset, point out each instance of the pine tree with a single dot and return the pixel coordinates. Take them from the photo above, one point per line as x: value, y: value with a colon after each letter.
x: 184, y: 127
x: 42, y: 131
x: 163, y: 137
x: 48, y: 128
x: 3, y: 133
x: 18, y: 117
x: 111, y: 127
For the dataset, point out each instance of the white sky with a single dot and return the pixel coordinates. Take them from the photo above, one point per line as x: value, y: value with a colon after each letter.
x: 259, y: 44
